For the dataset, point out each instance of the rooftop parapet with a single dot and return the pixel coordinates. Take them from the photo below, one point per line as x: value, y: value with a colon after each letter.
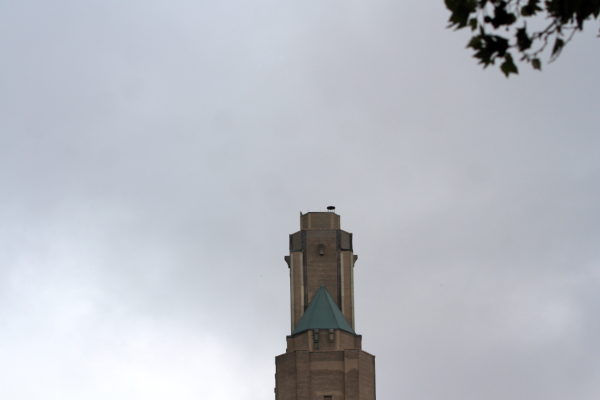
x: 319, y: 220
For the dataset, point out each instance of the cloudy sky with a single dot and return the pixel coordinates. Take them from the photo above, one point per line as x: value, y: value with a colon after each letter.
x: 154, y: 157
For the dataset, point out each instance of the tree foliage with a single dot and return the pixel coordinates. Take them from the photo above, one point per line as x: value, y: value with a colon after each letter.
x: 500, y: 28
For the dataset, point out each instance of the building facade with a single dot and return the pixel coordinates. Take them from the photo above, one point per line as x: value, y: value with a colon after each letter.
x: 324, y: 359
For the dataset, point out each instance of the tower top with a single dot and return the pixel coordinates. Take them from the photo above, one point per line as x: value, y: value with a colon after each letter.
x: 323, y: 359
x: 319, y: 220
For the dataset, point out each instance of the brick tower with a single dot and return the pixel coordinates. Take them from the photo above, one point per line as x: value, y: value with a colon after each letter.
x: 323, y: 359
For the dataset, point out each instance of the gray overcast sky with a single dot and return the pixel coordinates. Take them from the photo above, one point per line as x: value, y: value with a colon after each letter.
x: 154, y: 156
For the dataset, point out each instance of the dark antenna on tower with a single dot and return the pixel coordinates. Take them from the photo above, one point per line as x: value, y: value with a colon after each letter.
x: 331, y: 208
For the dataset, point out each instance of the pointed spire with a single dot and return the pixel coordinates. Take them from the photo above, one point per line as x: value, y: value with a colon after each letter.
x: 322, y: 313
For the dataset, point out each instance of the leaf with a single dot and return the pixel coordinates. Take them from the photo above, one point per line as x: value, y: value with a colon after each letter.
x: 508, y: 66
x: 501, y: 16
x: 526, y: 11
x: 556, y: 49
x: 461, y: 10
x: 523, y: 40
x: 475, y: 43
x: 473, y: 23
x: 531, y: 8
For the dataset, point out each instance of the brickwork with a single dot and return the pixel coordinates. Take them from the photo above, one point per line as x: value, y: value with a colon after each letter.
x: 306, y: 375
x: 321, y: 263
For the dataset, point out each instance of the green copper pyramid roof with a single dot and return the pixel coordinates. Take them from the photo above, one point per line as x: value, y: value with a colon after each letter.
x: 322, y: 313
